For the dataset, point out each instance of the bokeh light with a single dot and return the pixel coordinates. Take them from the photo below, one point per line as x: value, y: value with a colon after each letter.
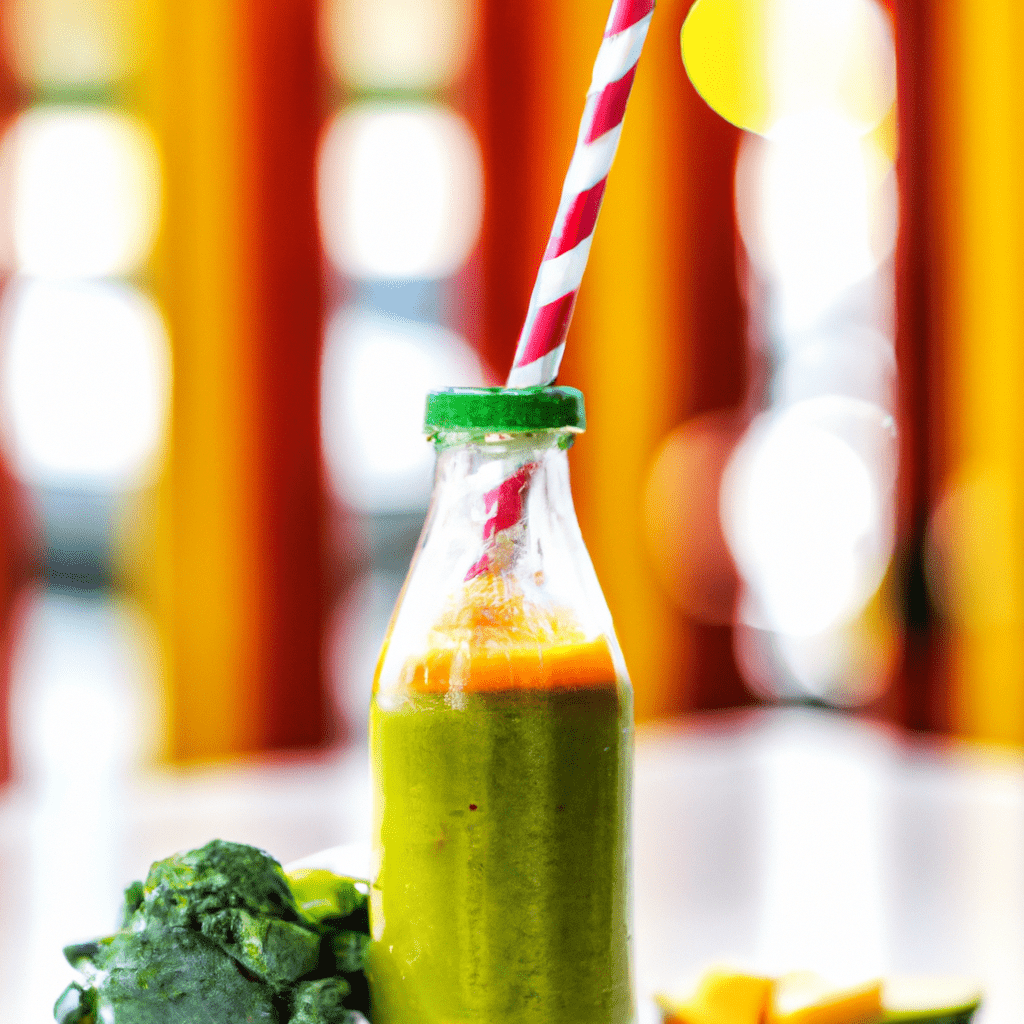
x: 85, y: 689
x: 817, y: 210
x: 400, y: 191
x: 681, y: 519
x: 85, y: 191
x: 71, y: 43
x: 760, y: 62
x: 851, y: 360
x: 835, y: 57
x: 397, y: 44
x: 847, y: 664
x: 806, y: 505
x: 968, y: 564
x: 85, y: 383
x: 807, y: 498
x: 377, y: 371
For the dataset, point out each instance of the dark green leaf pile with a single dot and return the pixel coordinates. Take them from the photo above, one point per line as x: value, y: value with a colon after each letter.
x: 217, y: 936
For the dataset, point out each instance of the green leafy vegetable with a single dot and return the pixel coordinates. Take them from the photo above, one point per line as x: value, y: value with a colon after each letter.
x: 323, y: 896
x: 320, y: 1002
x: 221, y: 935
x: 76, y: 1005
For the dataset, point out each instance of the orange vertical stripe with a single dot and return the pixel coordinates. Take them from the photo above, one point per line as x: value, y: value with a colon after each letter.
x: 208, y: 565
x: 981, y: 155
x: 234, y: 92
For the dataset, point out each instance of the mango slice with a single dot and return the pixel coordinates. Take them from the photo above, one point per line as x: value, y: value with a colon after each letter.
x: 730, y: 997
x: 723, y: 997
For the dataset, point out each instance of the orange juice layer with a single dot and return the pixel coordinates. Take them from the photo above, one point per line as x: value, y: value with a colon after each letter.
x: 491, y: 637
x: 569, y: 666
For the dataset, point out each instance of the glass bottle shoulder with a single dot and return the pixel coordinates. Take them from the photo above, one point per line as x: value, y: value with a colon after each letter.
x: 501, y: 595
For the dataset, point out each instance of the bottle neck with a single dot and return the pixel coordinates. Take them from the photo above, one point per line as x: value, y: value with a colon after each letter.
x: 501, y: 446
x: 497, y: 468
x: 500, y: 488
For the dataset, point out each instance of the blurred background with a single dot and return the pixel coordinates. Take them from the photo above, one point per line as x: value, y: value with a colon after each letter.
x: 240, y: 240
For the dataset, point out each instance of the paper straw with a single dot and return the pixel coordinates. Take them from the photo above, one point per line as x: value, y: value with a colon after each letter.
x: 504, y: 504
x: 542, y: 341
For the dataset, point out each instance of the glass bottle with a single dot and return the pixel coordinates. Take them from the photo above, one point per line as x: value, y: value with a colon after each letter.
x: 501, y: 740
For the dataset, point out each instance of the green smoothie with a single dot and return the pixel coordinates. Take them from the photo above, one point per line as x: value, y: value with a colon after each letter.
x: 502, y: 895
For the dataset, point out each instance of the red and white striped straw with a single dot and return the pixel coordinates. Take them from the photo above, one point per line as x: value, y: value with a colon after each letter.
x: 504, y: 505
x: 542, y: 340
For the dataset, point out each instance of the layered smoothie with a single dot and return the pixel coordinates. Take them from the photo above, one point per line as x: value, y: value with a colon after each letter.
x: 503, y: 806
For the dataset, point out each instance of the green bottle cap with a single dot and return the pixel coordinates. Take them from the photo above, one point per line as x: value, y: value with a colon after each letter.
x: 505, y: 410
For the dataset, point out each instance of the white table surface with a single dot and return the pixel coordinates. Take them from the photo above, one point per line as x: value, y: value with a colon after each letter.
x: 779, y: 840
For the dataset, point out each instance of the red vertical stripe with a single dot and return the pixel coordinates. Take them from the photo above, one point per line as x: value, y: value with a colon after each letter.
x: 711, y: 314
x: 13, y: 533
x: 921, y: 694
x: 500, y: 97
x: 286, y: 112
